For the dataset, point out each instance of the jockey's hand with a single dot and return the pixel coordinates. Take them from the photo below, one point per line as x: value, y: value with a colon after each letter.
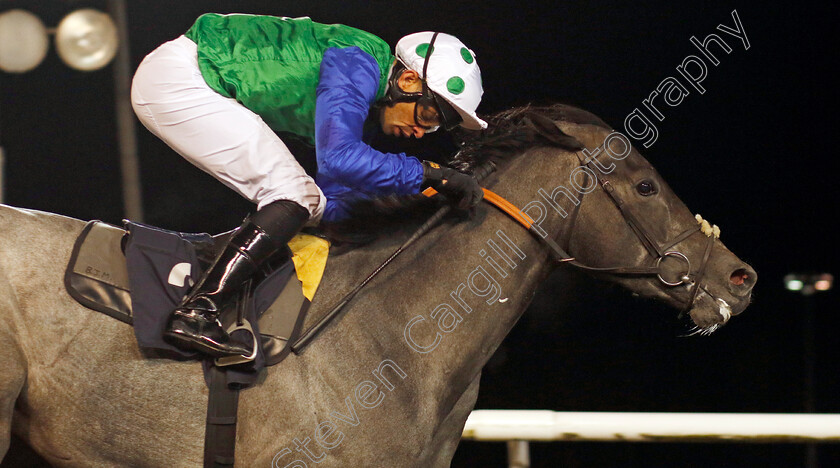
x: 459, y: 188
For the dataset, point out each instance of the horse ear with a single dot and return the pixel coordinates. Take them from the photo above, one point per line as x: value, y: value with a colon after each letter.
x: 549, y: 130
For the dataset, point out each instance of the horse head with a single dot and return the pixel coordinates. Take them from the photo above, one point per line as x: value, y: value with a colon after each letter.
x: 604, y: 203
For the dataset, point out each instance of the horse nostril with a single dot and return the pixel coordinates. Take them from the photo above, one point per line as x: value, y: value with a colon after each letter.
x: 741, y: 283
x: 743, y: 280
x: 739, y: 277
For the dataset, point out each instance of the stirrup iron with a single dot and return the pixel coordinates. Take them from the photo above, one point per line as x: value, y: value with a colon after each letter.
x: 233, y: 360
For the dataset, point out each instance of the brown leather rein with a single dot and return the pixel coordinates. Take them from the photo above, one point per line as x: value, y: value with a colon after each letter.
x: 659, y: 253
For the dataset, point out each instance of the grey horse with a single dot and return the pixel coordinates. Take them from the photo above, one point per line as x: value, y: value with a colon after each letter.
x: 391, y: 382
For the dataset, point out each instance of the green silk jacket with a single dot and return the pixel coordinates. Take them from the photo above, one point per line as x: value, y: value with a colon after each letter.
x: 271, y: 65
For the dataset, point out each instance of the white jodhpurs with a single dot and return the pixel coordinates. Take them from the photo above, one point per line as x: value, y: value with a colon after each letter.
x: 217, y: 134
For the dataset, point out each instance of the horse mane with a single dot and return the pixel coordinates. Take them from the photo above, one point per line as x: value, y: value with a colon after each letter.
x: 509, y: 133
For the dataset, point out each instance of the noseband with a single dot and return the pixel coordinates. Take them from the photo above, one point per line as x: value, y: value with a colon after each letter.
x: 657, y: 252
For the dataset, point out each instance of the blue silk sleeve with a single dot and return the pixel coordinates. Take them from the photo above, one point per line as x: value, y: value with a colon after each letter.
x: 349, y: 80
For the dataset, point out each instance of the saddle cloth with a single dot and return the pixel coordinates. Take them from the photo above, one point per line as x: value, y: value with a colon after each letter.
x: 163, y: 263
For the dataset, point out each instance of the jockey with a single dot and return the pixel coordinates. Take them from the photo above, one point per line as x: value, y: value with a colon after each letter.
x: 218, y: 94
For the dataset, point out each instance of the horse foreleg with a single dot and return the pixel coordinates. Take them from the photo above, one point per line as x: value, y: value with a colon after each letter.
x: 12, y: 379
x: 440, y: 451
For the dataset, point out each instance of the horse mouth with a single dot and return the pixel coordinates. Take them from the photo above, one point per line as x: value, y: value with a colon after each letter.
x: 709, y: 314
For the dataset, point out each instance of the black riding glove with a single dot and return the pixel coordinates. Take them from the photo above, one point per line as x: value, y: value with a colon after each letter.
x: 459, y: 188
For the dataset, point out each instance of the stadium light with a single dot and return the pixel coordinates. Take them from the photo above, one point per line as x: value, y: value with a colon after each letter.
x: 85, y: 39
x: 808, y: 283
x: 23, y: 41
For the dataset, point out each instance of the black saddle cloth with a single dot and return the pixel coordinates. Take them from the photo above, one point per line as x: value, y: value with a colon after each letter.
x: 143, y: 287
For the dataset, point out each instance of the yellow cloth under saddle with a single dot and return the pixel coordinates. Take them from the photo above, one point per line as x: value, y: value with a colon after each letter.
x: 310, y: 258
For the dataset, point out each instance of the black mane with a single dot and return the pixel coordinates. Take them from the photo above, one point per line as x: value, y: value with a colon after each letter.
x: 513, y: 131
x: 509, y: 133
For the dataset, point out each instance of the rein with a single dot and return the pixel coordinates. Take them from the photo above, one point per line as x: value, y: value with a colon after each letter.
x: 654, y: 249
x: 297, y: 347
x: 557, y: 252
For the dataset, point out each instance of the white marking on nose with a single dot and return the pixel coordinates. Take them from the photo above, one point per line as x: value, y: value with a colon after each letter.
x: 724, y: 309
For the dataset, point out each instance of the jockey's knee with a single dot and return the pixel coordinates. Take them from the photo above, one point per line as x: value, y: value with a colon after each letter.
x: 306, y: 196
x: 281, y: 219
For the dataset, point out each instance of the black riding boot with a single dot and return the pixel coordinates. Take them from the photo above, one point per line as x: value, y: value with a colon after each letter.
x: 196, y: 324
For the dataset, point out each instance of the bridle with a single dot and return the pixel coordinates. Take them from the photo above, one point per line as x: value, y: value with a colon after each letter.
x: 658, y: 252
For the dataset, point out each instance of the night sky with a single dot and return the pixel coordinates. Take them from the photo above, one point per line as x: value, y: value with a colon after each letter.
x: 753, y: 154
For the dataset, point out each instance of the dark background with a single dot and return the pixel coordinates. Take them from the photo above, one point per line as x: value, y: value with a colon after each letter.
x: 753, y: 155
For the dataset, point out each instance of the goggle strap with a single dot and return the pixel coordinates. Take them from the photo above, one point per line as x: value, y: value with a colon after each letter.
x: 428, y: 55
x: 450, y: 117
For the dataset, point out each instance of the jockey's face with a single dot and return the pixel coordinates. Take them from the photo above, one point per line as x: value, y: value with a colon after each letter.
x: 399, y: 118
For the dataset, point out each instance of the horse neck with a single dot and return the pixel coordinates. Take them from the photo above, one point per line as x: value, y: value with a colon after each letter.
x: 446, y: 303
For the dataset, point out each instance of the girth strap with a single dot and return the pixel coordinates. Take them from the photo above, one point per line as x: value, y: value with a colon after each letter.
x: 220, y: 430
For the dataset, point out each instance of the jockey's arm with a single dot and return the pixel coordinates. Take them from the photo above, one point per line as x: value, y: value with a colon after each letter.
x: 349, y: 79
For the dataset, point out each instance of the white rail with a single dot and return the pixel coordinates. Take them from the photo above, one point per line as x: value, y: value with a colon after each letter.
x: 541, y: 425
x: 518, y: 427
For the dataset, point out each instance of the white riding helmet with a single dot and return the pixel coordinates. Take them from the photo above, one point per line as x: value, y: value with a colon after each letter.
x: 452, y: 72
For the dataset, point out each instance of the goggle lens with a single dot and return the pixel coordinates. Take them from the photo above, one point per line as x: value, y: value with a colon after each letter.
x: 426, y: 114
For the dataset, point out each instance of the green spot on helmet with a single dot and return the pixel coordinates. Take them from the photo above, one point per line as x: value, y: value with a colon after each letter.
x: 452, y: 72
x: 455, y: 85
x: 422, y: 49
x: 465, y: 53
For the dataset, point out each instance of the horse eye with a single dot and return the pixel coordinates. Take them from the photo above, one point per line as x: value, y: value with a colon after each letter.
x: 646, y: 188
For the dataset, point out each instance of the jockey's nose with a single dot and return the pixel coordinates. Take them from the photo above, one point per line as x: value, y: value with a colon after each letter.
x: 417, y: 132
